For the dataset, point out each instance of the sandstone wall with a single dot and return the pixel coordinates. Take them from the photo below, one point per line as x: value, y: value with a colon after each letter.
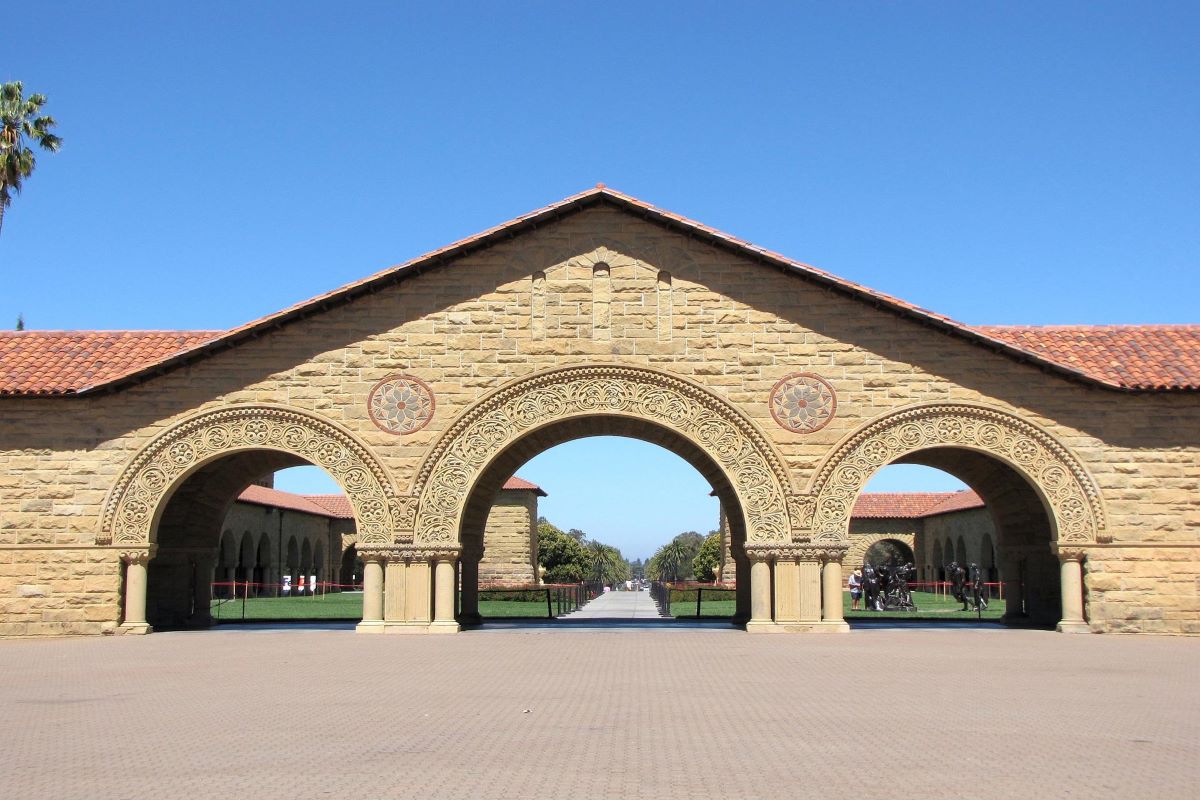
x: 666, y: 302
x: 510, y: 540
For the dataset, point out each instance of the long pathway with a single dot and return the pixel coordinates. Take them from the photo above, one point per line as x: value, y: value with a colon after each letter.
x: 618, y: 605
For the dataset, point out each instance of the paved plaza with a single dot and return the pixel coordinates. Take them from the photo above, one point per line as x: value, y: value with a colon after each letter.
x: 660, y: 712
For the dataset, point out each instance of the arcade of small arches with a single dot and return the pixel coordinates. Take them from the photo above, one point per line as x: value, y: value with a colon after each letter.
x: 421, y: 548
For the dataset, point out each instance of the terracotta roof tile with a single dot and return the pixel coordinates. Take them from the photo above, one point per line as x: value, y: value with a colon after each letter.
x: 62, y: 362
x: 338, y: 505
x: 912, y: 505
x: 1146, y: 357
x: 515, y: 483
x: 275, y: 498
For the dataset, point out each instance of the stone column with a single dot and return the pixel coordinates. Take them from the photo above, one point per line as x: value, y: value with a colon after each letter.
x: 788, y: 600
x: 136, y: 563
x: 809, y: 571
x: 202, y: 593
x: 1014, y: 591
x: 831, y: 594
x: 443, y: 598
x: 469, y: 613
x: 760, y: 593
x: 1071, y: 568
x: 741, y: 593
x: 372, y: 621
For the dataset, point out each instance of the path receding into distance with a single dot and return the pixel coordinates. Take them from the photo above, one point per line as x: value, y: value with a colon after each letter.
x: 618, y: 605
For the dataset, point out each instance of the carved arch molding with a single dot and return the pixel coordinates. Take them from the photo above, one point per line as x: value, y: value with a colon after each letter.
x: 464, y: 451
x: 1068, y: 490
x: 140, y: 492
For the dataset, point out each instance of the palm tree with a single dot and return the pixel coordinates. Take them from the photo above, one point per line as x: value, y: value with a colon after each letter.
x: 21, y: 125
x: 670, y: 559
x: 608, y: 565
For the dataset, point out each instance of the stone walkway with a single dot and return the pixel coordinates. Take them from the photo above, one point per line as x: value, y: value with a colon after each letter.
x: 617, y: 605
x: 563, y: 713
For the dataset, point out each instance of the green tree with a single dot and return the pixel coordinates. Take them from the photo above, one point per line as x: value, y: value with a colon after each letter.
x: 20, y: 126
x: 708, y: 560
x: 565, y: 559
x: 608, y: 565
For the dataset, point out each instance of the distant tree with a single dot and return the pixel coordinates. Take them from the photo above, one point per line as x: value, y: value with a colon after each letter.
x: 20, y: 126
x: 608, y: 565
x: 637, y: 569
x: 20, y: 322
x: 673, y: 561
x: 708, y: 560
x: 565, y: 559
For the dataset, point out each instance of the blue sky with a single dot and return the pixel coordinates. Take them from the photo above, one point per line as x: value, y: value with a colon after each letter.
x: 223, y: 160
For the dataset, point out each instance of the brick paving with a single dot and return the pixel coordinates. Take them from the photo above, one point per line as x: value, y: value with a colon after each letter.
x: 660, y: 712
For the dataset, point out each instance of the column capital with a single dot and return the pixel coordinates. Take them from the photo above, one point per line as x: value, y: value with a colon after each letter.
x: 408, y: 552
x: 789, y: 551
x: 140, y: 556
x: 1070, y: 553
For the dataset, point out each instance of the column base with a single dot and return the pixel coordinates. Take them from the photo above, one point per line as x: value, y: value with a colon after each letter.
x: 135, y: 628
x: 394, y: 627
x: 1078, y: 626
x: 762, y: 627
x: 444, y: 627
x: 369, y: 626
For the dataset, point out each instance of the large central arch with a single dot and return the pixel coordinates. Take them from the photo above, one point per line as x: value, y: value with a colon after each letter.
x: 466, y: 451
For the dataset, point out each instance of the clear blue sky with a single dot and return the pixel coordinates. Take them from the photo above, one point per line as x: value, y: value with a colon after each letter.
x: 225, y: 159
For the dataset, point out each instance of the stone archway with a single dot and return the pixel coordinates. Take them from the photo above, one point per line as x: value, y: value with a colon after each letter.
x: 137, y: 500
x: 733, y: 442
x: 1058, y: 476
x: 465, y: 454
x: 1069, y: 496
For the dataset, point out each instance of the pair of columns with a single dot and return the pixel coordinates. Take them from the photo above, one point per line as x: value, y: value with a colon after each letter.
x: 409, y: 590
x: 795, y: 589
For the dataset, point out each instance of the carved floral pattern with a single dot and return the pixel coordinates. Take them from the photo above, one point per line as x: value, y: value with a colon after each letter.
x: 461, y: 455
x: 142, y: 488
x: 400, y: 404
x: 803, y: 402
x: 1071, y: 492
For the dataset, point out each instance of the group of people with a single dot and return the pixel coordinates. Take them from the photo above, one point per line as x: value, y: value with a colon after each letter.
x: 884, y: 587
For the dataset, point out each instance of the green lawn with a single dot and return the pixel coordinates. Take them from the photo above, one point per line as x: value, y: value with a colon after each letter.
x: 929, y: 606
x: 347, y: 606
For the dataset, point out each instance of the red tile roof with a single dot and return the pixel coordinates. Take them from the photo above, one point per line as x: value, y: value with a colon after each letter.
x: 913, y: 505
x: 1145, y: 357
x: 275, y: 498
x: 60, y: 362
x: 338, y: 505
x: 518, y: 484
x: 1164, y: 357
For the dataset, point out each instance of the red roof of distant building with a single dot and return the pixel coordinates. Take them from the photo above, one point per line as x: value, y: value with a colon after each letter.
x: 913, y: 505
x: 515, y: 483
x: 338, y: 505
x: 275, y: 498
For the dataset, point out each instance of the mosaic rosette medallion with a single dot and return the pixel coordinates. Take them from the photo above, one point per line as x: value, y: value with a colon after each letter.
x: 400, y: 404
x: 803, y: 402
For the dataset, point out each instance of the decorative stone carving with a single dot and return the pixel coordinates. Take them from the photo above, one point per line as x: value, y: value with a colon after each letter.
x: 141, y: 557
x: 803, y: 402
x: 485, y: 430
x: 400, y: 404
x: 1059, y: 476
x: 136, y: 498
x: 794, y: 552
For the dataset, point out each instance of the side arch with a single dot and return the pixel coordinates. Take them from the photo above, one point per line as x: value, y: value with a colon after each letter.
x: 861, y: 543
x: 136, y: 501
x: 464, y: 451
x: 1068, y: 492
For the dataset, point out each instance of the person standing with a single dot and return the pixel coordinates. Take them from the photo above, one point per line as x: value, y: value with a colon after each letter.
x: 854, y: 582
